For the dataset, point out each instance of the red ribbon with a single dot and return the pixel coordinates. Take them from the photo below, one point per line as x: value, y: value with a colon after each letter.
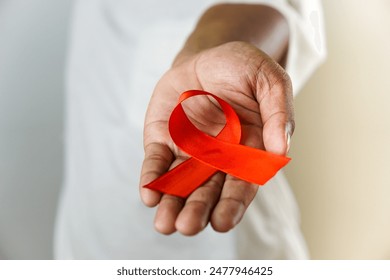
x: 210, y: 154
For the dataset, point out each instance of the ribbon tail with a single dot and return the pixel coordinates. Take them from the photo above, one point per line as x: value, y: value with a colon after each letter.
x: 183, y: 179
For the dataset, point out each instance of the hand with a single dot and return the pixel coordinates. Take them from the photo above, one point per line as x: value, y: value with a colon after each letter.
x: 260, y: 92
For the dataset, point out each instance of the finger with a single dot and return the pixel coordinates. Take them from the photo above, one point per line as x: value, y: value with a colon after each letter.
x: 169, y: 207
x: 235, y: 199
x: 197, y: 210
x: 158, y: 159
x: 167, y: 212
x: 277, y: 113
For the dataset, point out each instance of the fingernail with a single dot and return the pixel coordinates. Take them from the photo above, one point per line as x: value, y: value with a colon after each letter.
x: 288, y: 136
x: 288, y: 142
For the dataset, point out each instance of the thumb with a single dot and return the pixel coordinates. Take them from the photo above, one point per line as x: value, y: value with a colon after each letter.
x: 277, y: 136
x: 277, y: 113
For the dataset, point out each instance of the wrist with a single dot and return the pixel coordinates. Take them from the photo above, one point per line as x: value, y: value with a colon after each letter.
x: 258, y: 25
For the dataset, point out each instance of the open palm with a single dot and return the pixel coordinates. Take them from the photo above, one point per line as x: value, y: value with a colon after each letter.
x: 259, y: 91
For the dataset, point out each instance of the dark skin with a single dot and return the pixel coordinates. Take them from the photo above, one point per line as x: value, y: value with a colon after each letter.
x: 234, y: 52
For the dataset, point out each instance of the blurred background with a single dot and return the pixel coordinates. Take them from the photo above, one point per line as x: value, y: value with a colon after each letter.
x: 32, y: 54
x: 341, y: 146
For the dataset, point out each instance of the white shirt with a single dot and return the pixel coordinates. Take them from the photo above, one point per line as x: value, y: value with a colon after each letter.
x: 118, y: 51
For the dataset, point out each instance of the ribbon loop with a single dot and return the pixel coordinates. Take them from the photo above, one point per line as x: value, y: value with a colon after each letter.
x: 210, y: 154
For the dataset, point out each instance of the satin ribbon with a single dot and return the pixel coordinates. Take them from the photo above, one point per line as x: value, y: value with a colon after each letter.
x: 211, y: 154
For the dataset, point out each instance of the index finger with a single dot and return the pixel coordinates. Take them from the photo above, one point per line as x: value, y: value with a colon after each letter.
x: 234, y: 200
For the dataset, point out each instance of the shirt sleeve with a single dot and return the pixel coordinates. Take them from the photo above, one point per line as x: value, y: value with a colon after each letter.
x: 307, y: 45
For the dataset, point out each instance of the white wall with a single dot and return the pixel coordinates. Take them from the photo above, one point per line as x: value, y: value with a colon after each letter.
x: 341, y: 149
x: 32, y: 49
